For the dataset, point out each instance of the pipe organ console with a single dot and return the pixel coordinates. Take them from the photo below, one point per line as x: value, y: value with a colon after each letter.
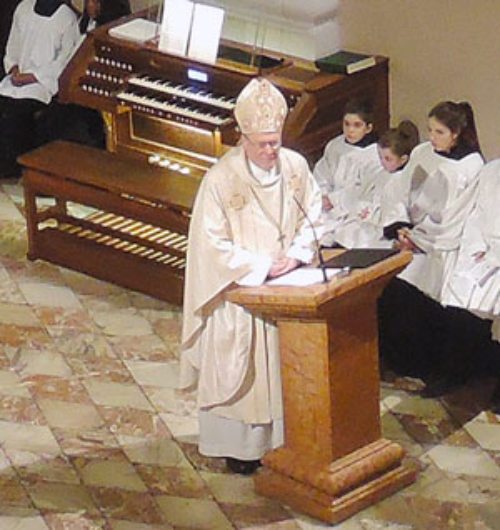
x: 177, y: 114
x: 180, y: 109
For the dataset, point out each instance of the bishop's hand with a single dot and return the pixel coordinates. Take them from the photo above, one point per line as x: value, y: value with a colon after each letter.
x: 282, y: 266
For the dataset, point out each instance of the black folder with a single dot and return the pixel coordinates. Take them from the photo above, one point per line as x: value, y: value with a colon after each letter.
x: 391, y: 231
x: 359, y: 258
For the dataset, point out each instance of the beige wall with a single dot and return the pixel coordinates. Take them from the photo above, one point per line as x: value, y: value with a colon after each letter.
x: 438, y: 49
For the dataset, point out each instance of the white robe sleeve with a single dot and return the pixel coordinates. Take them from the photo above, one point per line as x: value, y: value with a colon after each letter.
x: 260, y: 267
x: 13, y: 46
x: 247, y: 268
x: 326, y: 167
x: 64, y: 46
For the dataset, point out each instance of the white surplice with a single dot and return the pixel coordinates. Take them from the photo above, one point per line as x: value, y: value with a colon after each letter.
x: 475, y: 281
x: 41, y: 46
x: 355, y: 176
x: 242, y: 220
x: 370, y: 210
x: 440, y: 194
x: 325, y: 168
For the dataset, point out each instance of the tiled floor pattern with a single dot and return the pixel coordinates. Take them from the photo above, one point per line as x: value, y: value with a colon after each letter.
x: 92, y: 437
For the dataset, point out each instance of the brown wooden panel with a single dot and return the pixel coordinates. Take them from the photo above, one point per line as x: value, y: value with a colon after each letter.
x: 112, y: 173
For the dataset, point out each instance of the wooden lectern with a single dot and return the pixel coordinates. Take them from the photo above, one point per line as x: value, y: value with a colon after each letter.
x: 334, y: 462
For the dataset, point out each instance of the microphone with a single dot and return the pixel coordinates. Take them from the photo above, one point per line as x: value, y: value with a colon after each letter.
x: 316, y: 240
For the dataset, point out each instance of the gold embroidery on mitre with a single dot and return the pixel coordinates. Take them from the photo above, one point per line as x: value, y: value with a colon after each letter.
x: 260, y: 108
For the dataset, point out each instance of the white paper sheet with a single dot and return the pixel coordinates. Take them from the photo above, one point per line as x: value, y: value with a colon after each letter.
x: 175, y: 26
x: 205, y: 33
x: 305, y: 276
x: 137, y: 30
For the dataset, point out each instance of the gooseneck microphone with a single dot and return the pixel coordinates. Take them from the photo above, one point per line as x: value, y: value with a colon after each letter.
x: 316, y: 240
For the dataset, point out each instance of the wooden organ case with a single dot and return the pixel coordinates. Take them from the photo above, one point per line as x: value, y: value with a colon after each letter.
x: 176, y: 114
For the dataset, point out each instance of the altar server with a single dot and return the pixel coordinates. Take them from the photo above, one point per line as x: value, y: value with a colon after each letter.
x: 40, y: 44
x: 357, y: 134
x: 475, y: 281
x: 443, y: 176
x: 440, y: 193
x: 372, y: 205
x: 246, y: 227
x: 73, y: 122
x: 472, y: 295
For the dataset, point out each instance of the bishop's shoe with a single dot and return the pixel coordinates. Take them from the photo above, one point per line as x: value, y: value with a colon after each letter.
x: 242, y: 467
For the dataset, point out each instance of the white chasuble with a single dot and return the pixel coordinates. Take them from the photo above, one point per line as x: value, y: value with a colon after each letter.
x: 239, y: 225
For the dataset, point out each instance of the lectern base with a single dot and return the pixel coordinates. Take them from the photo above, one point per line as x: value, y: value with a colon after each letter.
x: 307, y: 494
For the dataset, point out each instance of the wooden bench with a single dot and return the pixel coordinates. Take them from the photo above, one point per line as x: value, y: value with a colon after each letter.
x: 111, y: 217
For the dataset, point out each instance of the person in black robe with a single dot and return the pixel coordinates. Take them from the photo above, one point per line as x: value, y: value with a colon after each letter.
x: 74, y: 122
x: 102, y: 12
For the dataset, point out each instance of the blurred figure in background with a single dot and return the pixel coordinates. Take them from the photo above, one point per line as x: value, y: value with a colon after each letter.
x: 73, y: 122
x: 40, y: 44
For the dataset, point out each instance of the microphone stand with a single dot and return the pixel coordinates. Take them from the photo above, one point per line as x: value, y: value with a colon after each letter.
x: 316, y: 240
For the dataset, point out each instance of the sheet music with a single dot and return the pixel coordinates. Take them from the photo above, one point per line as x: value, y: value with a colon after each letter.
x: 175, y: 26
x: 303, y: 276
x: 205, y: 33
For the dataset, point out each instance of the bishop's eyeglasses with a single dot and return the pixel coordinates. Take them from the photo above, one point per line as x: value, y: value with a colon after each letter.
x: 273, y: 144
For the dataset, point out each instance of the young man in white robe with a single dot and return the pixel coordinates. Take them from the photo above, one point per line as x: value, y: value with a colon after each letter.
x: 356, y: 173
x: 333, y: 171
x: 40, y: 44
x: 246, y: 227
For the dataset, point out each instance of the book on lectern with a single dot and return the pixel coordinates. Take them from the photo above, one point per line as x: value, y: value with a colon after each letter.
x: 359, y: 258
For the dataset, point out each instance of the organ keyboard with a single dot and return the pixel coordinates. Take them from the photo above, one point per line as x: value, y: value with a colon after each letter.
x: 183, y: 91
x: 190, y: 108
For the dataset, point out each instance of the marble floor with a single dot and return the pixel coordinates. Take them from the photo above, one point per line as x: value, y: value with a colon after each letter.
x: 91, y: 436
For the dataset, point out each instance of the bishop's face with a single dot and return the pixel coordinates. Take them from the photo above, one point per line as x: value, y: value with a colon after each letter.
x: 262, y: 148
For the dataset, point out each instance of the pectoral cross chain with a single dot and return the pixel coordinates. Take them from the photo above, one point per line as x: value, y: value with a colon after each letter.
x: 281, y: 239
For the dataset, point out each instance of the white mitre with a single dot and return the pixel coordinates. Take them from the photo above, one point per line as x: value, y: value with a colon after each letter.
x: 260, y: 108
